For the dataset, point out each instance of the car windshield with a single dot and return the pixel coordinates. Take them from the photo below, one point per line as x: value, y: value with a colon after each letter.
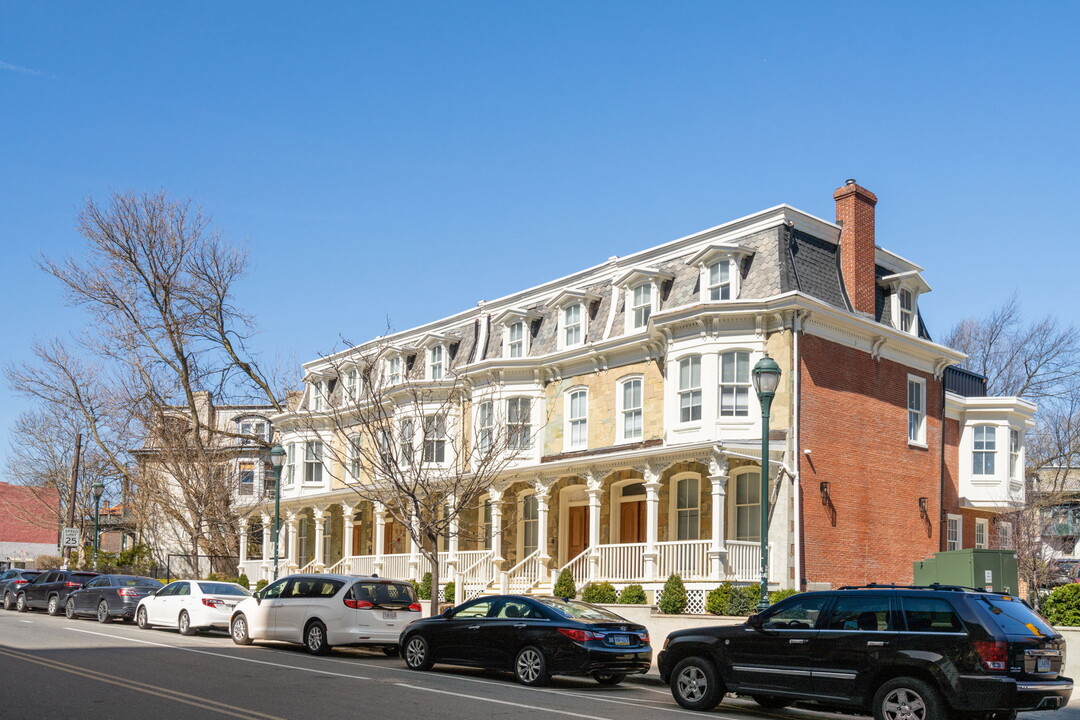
x: 132, y: 581
x: 575, y: 610
x: 29, y: 575
x: 1016, y: 618
x: 82, y: 577
x: 219, y: 588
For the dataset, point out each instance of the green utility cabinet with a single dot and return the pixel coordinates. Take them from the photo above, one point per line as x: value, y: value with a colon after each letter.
x: 993, y: 570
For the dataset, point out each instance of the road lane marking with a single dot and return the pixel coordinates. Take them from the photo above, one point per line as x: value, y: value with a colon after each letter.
x: 220, y: 655
x: 538, y: 708
x: 174, y: 695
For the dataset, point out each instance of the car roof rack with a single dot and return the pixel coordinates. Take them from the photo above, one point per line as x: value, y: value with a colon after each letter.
x: 931, y: 586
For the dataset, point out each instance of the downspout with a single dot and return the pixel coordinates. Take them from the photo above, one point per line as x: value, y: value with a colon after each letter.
x: 795, y: 409
x: 941, y: 490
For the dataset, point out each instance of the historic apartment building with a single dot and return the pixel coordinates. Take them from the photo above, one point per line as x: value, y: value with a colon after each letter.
x: 631, y: 381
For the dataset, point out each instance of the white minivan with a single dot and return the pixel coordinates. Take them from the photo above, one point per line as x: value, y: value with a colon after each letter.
x: 323, y: 611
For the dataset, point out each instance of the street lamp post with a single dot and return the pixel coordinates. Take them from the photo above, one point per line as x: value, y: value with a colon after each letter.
x: 277, y: 457
x: 98, y: 488
x: 766, y: 376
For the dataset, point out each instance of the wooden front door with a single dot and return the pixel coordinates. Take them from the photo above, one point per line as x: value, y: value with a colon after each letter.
x: 579, y: 531
x: 632, y: 522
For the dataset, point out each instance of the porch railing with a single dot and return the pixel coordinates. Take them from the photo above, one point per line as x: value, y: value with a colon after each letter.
x: 476, y: 577
x: 525, y: 574
x: 396, y: 566
x: 689, y: 559
x: 356, y: 565
x: 625, y: 561
x: 578, y: 567
x: 744, y: 560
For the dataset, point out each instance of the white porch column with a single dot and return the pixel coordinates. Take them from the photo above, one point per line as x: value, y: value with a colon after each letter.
x: 652, y: 519
x: 380, y: 537
x: 496, y: 524
x: 292, y: 523
x: 542, y: 529
x: 318, y: 556
x: 243, y: 530
x: 267, y: 547
x: 717, y: 552
x: 594, y: 489
x: 347, y: 522
x: 414, y: 550
x: 452, y: 550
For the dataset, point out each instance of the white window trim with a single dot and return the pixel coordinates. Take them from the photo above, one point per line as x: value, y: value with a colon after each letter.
x: 913, y: 283
x: 920, y: 439
x: 679, y: 392
x: 673, y: 503
x: 391, y: 362
x: 731, y: 526
x: 444, y: 438
x: 354, y: 466
x: 561, y: 302
x: 959, y: 520
x: 1016, y: 459
x: 320, y: 460
x: 620, y: 409
x: 506, y: 320
x: 479, y: 428
x: 317, y: 395
x: 521, y: 523
x: 568, y: 443
x: 628, y: 282
x: 985, y: 477
x: 508, y: 339
x: 429, y: 361
x: 530, y: 441
x: 751, y: 396
x: 1005, y: 535
x: 984, y: 525
x: 734, y: 255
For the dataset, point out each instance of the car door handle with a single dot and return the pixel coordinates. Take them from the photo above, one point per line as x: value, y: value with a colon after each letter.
x: 798, y: 641
x: 520, y: 625
x: 876, y: 643
x: 473, y: 627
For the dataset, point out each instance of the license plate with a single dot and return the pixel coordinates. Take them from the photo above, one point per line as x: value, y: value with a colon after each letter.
x: 389, y: 615
x: 620, y: 639
x: 1042, y: 664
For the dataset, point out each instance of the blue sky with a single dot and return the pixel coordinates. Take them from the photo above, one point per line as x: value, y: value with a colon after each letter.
x: 405, y: 160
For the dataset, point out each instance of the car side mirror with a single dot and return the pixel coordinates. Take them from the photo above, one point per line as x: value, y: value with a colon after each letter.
x: 754, y: 621
x: 448, y: 613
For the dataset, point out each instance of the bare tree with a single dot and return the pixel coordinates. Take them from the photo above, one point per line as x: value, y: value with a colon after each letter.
x: 157, y: 281
x: 412, y: 445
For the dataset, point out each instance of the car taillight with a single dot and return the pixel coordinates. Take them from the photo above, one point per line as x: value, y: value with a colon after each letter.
x: 580, y: 635
x: 645, y: 638
x: 358, y: 604
x: 994, y: 654
x: 72, y: 584
x: 212, y: 602
x: 415, y: 607
x: 19, y: 582
x: 127, y: 592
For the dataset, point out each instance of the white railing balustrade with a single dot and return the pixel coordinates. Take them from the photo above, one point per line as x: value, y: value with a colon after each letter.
x: 689, y: 559
x: 478, y: 575
x: 396, y: 566
x: 625, y: 561
x: 744, y: 560
x: 524, y: 575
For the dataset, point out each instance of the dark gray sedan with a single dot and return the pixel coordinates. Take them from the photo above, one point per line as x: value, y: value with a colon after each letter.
x: 110, y: 596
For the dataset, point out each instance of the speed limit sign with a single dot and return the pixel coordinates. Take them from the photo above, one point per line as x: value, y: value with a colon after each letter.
x: 69, y: 538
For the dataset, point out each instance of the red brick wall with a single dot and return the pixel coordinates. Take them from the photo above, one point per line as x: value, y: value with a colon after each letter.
x: 855, y: 211
x: 853, y: 419
x: 952, y: 492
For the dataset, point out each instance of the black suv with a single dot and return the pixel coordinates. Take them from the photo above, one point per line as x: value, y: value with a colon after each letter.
x: 899, y: 653
x: 50, y: 589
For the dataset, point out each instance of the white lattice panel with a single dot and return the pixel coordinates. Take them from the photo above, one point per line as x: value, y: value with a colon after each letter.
x: 695, y: 602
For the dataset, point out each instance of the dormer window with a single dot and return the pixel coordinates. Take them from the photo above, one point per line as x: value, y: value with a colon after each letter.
x: 641, y: 290
x: 435, y: 362
x: 393, y: 370
x: 907, y: 309
x: 719, y: 267
x: 515, y: 340
x: 318, y: 395
x: 251, y: 428
x: 642, y: 305
x: 515, y: 324
x: 906, y: 288
x: 352, y: 383
x: 572, y: 325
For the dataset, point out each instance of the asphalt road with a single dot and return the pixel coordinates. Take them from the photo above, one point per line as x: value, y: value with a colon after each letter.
x: 52, y: 667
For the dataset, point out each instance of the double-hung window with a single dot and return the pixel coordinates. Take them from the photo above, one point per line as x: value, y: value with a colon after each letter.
x: 530, y: 514
x: 642, y: 304
x: 247, y: 478
x: 572, y: 325
x: 313, y: 468
x: 393, y: 370
x: 1005, y: 535
x: 579, y: 414
x: 1014, y: 455
x: 631, y: 409
x: 290, y: 463
x: 916, y: 410
x: 406, y: 440
x: 518, y: 423
x: 435, y: 439
x: 953, y: 532
x: 352, y: 380
x: 690, y: 389
x: 354, y: 457
x: 735, y: 384
x: 748, y: 506
x: 984, y: 450
x: 907, y: 310
x: 317, y: 395
x: 435, y: 356
x: 686, y: 510
x: 982, y: 533
x: 384, y: 444
x: 515, y: 340
x: 720, y: 280
x: 485, y: 426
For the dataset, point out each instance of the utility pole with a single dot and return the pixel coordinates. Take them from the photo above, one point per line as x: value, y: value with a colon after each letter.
x: 74, y: 487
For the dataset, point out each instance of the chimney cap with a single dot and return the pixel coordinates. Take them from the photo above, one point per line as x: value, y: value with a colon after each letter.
x: 849, y: 181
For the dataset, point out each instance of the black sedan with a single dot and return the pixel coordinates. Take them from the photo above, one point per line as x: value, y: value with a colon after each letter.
x: 11, y: 581
x: 534, y: 636
x: 110, y: 596
x: 50, y: 589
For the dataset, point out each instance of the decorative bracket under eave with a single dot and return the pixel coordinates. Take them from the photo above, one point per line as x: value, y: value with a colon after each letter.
x: 876, y: 345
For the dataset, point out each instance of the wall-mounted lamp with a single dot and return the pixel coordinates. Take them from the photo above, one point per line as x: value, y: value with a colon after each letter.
x: 824, y: 487
x: 922, y: 506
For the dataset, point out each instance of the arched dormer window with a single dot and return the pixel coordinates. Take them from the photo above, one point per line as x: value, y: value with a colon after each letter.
x: 720, y: 268
x: 905, y: 288
x: 516, y: 325
x: 254, y: 430
x: 573, y: 316
x: 641, y: 295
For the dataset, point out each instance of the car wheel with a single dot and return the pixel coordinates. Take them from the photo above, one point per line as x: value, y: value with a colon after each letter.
x: 238, y: 628
x: 184, y: 623
x: 391, y: 651
x: 608, y: 678
x: 9, y: 601
x: 772, y: 702
x: 69, y: 609
x: 530, y: 667
x: 695, y: 684
x: 54, y: 605
x: 20, y: 603
x: 140, y: 618
x: 103, y: 615
x: 907, y: 698
x: 315, y: 639
x: 418, y: 653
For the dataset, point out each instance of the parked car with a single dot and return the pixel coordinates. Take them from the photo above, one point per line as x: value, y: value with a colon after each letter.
x: 918, y: 653
x: 190, y: 605
x: 1064, y: 572
x: 10, y: 582
x: 49, y: 590
x: 324, y: 611
x: 110, y: 596
x: 534, y: 636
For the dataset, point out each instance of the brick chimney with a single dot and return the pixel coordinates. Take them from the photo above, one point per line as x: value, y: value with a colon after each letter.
x: 855, y: 212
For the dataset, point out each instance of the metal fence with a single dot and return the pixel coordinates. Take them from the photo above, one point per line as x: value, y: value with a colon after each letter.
x: 197, y: 566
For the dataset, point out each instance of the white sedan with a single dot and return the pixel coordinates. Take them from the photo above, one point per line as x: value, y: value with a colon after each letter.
x: 190, y: 605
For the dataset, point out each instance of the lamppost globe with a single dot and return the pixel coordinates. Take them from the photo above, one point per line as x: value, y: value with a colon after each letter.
x: 277, y: 459
x: 98, y: 489
x: 277, y: 456
x: 766, y: 378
